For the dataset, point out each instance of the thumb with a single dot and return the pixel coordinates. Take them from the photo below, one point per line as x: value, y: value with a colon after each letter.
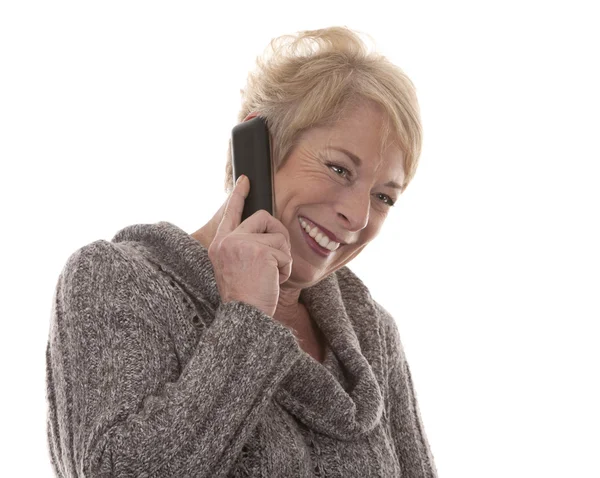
x: 231, y: 211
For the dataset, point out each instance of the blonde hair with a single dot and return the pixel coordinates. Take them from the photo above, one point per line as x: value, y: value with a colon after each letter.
x: 313, y: 78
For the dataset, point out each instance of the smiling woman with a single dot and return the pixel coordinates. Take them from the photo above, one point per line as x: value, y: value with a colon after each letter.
x: 313, y: 78
x: 248, y: 348
x: 336, y: 178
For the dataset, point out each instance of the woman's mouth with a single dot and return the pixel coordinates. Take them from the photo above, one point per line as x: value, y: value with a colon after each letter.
x: 318, y: 241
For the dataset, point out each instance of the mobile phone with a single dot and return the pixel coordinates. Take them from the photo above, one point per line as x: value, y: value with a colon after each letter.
x: 251, y: 155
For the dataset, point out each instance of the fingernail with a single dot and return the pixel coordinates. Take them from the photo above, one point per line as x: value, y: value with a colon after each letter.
x: 239, y: 179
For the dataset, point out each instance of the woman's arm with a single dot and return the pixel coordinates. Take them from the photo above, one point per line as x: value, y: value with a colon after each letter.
x: 115, y: 407
x: 406, y: 423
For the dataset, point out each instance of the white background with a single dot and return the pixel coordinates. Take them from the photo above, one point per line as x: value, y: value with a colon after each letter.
x: 116, y: 113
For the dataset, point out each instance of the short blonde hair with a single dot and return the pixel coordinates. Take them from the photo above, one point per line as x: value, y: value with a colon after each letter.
x: 313, y: 78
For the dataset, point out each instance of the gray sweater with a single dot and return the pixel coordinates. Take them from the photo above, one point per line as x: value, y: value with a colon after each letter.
x: 150, y: 374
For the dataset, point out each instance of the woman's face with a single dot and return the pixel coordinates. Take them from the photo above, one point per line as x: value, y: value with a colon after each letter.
x: 321, y: 183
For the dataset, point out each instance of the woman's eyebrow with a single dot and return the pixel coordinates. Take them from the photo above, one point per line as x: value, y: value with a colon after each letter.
x: 393, y: 184
x: 358, y: 163
x: 355, y: 159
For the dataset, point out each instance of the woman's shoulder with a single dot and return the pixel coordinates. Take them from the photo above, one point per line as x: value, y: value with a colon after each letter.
x: 100, y: 260
x: 110, y: 277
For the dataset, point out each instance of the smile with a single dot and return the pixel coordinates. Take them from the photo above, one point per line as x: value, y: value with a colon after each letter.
x: 318, y: 241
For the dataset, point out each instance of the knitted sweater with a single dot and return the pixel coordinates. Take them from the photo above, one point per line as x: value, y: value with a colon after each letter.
x: 150, y: 374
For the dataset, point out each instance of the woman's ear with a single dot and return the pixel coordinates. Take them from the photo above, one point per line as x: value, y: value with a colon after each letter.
x: 251, y: 115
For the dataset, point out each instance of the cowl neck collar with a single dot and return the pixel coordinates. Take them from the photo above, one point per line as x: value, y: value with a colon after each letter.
x: 340, y: 397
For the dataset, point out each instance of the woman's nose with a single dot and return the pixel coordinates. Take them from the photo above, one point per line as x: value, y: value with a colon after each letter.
x: 354, y: 210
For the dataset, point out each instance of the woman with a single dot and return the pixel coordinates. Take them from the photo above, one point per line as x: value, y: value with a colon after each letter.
x: 248, y: 348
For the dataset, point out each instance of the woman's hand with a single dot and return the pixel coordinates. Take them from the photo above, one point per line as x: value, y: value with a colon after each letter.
x: 253, y: 258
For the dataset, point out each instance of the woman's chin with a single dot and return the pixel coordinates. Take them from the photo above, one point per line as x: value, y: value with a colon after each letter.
x: 303, y: 275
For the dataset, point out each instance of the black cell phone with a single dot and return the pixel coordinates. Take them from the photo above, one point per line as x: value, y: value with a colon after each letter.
x: 251, y: 155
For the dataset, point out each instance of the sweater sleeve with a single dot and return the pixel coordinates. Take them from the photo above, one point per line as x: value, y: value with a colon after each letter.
x: 114, y: 411
x: 406, y: 424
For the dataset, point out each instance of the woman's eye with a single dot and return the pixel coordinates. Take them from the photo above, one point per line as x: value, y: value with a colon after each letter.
x: 389, y: 202
x: 339, y: 168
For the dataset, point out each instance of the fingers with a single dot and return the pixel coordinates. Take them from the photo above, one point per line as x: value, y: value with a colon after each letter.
x: 263, y: 222
x: 272, y: 233
x: 261, y: 228
x: 276, y: 240
x: 277, y: 245
x: 259, y: 222
x: 284, y: 263
x: 269, y: 246
x: 235, y: 207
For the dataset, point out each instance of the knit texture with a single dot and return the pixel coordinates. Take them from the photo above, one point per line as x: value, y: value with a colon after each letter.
x: 150, y: 374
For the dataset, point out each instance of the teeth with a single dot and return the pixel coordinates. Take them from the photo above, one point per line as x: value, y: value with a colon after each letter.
x: 319, y: 237
x: 323, y: 241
